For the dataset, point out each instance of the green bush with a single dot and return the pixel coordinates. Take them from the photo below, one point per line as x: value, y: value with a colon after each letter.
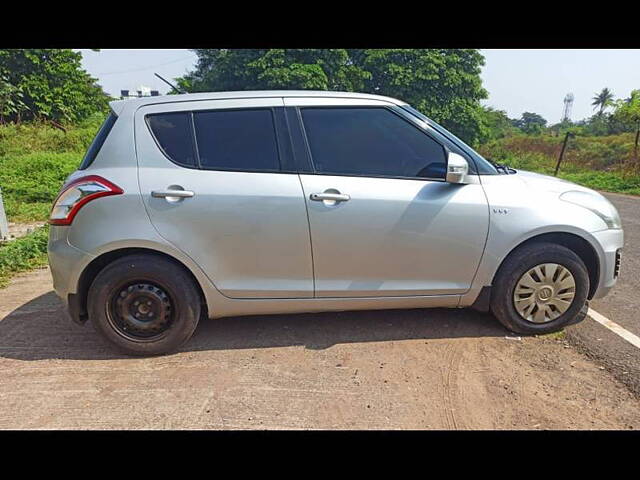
x: 42, y: 137
x: 583, y: 152
x: 31, y: 182
x: 35, y: 158
x: 607, y: 182
x: 23, y: 254
x: 537, y: 158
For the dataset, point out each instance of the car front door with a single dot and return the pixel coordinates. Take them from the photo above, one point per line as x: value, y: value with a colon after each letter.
x: 217, y: 181
x: 383, y: 221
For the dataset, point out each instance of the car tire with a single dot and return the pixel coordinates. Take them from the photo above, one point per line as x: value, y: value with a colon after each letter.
x: 144, y: 304
x: 531, y: 268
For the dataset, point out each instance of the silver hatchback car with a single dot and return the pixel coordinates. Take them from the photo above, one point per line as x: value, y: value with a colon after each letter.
x: 240, y: 203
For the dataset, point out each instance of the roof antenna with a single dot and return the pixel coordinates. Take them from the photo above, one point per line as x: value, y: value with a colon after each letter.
x: 169, y: 83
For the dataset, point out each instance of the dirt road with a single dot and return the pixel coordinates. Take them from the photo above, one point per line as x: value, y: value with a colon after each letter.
x: 419, y: 369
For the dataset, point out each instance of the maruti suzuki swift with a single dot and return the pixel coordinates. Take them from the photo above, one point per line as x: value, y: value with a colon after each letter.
x: 211, y: 205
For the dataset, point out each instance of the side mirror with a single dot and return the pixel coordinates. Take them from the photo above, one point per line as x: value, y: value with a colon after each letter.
x: 457, y: 168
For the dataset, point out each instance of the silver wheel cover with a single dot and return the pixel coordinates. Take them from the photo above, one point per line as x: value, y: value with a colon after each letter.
x: 544, y: 293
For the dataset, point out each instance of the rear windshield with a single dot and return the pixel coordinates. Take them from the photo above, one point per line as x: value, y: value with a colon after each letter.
x: 98, y: 141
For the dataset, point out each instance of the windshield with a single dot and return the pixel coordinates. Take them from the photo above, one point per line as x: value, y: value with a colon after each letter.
x: 483, y: 165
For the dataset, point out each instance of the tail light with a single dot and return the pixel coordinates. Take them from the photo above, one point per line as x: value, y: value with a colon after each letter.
x: 77, y: 194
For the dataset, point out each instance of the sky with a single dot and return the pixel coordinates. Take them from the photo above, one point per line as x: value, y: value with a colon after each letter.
x: 517, y: 80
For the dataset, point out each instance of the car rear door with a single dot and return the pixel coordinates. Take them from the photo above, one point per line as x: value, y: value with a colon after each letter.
x: 217, y: 181
x: 383, y: 220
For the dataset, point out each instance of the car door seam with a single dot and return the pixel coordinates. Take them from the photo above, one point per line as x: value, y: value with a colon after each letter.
x: 306, y: 207
x: 304, y: 196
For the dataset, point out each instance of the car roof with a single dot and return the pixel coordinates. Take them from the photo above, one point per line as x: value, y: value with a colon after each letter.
x: 118, y: 105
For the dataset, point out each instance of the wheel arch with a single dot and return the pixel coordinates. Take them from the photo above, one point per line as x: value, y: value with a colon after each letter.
x: 78, y: 305
x: 577, y: 244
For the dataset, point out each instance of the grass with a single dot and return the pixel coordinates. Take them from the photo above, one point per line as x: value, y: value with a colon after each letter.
x: 30, y: 182
x: 23, y: 254
x: 35, y: 159
x: 558, y: 336
x: 605, y: 181
x: 17, y: 140
x: 594, y: 162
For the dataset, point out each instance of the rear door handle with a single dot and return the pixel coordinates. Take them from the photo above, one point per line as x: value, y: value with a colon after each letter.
x: 172, y: 193
x: 335, y: 197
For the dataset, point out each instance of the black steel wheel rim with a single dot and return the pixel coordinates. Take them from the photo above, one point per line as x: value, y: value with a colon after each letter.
x: 141, y: 311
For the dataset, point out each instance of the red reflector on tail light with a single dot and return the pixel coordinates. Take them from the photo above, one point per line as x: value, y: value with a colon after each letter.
x: 77, y: 194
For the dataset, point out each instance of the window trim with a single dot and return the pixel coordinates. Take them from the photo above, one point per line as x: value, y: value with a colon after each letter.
x: 100, y: 137
x: 157, y: 142
x: 298, y: 141
x: 314, y: 171
x: 195, y: 147
x: 194, y: 140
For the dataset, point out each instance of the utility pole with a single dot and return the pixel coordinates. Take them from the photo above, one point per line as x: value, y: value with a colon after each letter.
x: 635, y: 147
x: 564, y: 146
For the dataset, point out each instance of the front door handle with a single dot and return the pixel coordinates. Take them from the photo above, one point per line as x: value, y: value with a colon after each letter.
x: 332, y: 197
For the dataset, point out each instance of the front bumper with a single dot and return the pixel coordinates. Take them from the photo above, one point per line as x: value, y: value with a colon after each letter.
x: 610, y: 243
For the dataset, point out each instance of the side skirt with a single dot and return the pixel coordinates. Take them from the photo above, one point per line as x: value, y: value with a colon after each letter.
x: 231, y: 308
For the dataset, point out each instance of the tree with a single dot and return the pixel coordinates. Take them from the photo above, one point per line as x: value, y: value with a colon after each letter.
x: 243, y: 69
x: 564, y: 126
x: 496, y: 124
x: 628, y: 111
x: 11, y: 104
x: 602, y: 100
x: 443, y: 84
x: 47, y: 84
x: 531, y: 123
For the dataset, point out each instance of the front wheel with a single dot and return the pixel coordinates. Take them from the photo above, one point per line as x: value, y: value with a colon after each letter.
x: 144, y: 304
x: 540, y: 288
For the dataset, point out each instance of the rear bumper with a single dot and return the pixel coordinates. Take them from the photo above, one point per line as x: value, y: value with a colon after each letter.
x: 74, y: 309
x: 66, y: 263
x: 611, y: 243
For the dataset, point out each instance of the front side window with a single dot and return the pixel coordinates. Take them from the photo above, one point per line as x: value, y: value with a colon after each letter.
x: 371, y: 142
x: 484, y: 167
x: 173, y: 133
x: 237, y: 140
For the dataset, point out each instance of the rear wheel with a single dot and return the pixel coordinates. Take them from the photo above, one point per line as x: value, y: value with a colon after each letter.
x: 540, y: 288
x: 144, y: 304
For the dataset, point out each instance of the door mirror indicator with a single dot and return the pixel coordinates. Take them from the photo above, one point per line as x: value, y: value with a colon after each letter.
x: 457, y: 168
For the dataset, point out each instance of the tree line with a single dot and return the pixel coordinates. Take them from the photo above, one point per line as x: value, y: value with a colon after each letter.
x: 612, y: 117
x: 444, y: 84
x: 47, y: 85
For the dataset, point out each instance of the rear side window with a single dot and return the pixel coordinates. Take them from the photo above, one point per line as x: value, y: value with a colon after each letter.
x: 237, y: 140
x: 173, y: 134
x: 98, y: 141
x: 370, y: 142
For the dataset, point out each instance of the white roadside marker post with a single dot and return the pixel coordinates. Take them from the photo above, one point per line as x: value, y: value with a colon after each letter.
x: 4, y: 227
